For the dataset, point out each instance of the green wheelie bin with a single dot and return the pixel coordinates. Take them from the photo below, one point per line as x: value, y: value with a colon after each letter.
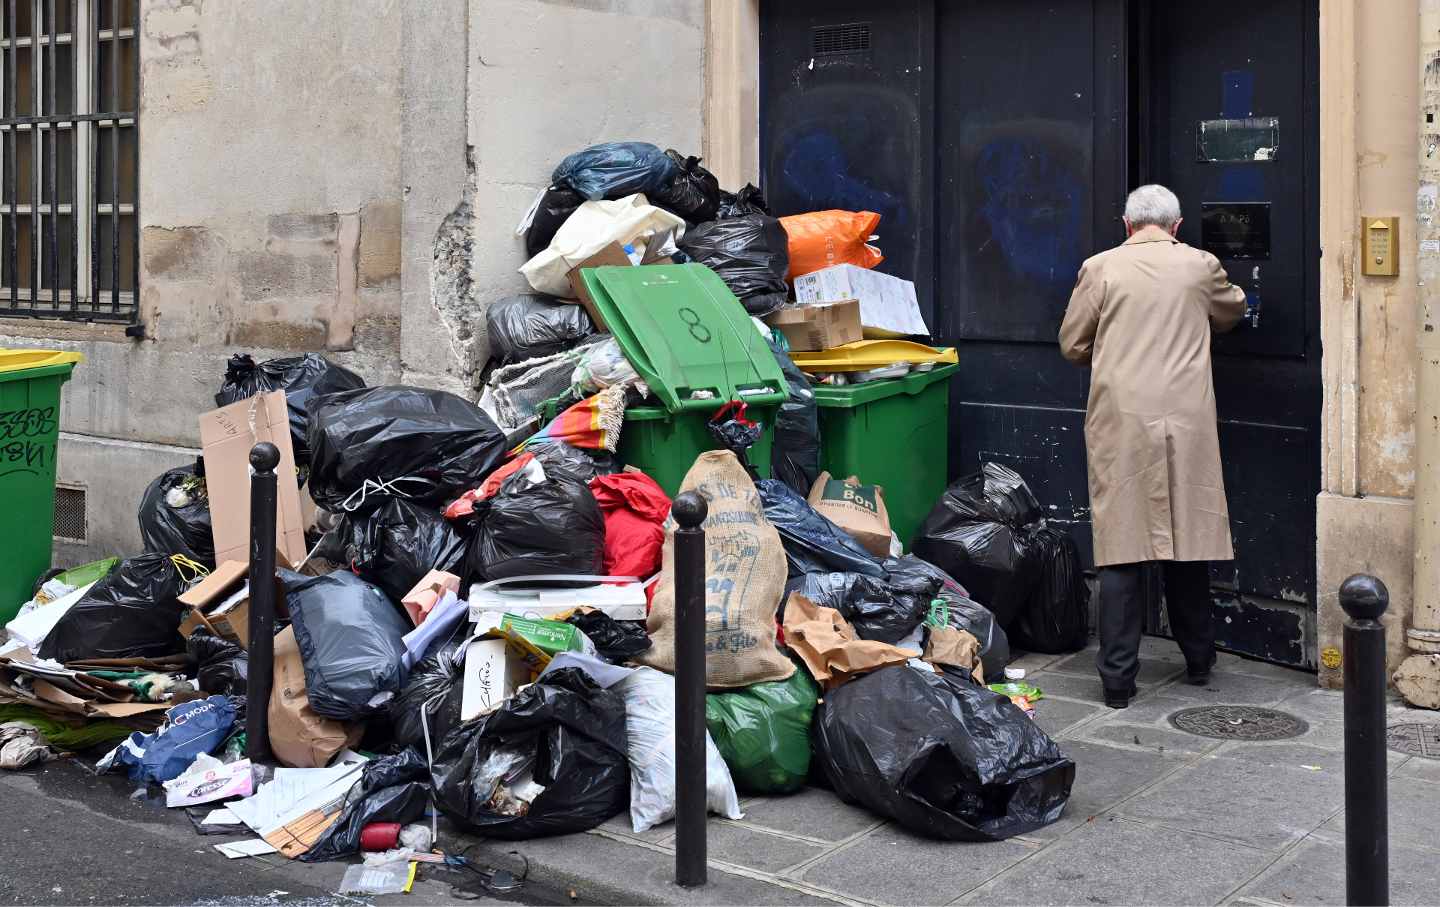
x: 30, y: 382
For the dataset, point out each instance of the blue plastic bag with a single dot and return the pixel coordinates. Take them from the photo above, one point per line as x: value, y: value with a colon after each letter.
x: 615, y: 170
x: 190, y: 728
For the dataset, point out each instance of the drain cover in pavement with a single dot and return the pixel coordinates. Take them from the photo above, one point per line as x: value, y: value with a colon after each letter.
x: 1421, y: 740
x: 1238, y: 722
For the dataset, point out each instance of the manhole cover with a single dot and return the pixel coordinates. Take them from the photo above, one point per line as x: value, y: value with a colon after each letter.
x: 1421, y: 740
x: 1238, y: 722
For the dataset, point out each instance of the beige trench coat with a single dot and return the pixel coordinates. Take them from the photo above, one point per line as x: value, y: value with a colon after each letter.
x: 1141, y: 317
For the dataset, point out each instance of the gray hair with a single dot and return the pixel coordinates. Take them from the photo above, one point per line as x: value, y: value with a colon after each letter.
x: 1152, y: 205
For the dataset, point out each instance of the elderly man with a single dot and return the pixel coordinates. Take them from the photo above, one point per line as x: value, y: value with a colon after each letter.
x: 1141, y: 317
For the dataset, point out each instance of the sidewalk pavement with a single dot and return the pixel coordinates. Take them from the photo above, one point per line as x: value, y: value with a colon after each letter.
x: 1158, y: 816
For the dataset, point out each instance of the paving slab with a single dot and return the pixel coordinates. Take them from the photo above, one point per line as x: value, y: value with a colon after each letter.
x: 892, y: 866
x: 745, y: 846
x: 1030, y: 662
x: 1414, y: 811
x: 1069, y: 686
x: 1114, y: 861
x: 1150, y: 708
x: 1104, y: 775
x: 1262, y: 806
x: 1314, y: 873
x: 1148, y: 738
x: 620, y: 825
x: 1226, y: 688
x: 1054, y: 716
x: 1152, y: 670
x: 1423, y: 769
x: 811, y: 812
x: 1295, y: 753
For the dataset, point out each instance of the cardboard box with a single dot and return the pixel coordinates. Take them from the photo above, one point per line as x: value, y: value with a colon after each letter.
x: 613, y: 255
x: 822, y: 326
x: 221, y: 602
x: 887, y: 304
x: 226, y: 436
x: 493, y: 672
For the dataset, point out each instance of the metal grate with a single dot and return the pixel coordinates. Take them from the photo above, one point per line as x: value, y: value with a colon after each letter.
x: 850, y: 38
x: 1238, y: 722
x: 1421, y: 740
x: 70, y: 519
x: 69, y: 159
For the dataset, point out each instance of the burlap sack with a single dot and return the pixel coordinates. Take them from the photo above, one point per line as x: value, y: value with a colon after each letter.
x: 299, y: 737
x: 856, y: 508
x: 744, y: 580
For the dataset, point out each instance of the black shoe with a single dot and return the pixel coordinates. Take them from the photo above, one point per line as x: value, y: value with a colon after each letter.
x: 1119, y: 699
x: 1201, y: 676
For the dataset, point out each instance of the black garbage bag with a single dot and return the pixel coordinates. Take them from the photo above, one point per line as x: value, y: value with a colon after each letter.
x: 813, y: 544
x: 394, y: 545
x: 351, y: 643
x: 615, y: 170
x: 693, y: 193
x: 872, y: 607
x: 616, y: 640
x: 302, y: 378
x: 434, y: 690
x: 751, y: 254
x: 1057, y: 617
x: 980, y: 532
x: 181, y: 527
x: 555, y: 207
x: 529, y: 528
x: 941, y: 755
x: 555, y: 454
x: 134, y: 612
x: 795, y: 448
x: 734, y: 431
x: 429, y: 444
x: 748, y: 200
x: 531, y: 325
x: 562, y: 733
x: 911, y: 576
x: 391, y: 789
x: 221, y: 666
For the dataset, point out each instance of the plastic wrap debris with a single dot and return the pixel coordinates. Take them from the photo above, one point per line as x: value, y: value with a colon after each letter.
x: 175, y: 515
x: 650, y: 729
x: 693, y: 192
x: 190, y: 728
x: 395, y: 877
x: 635, y: 507
x: 538, y: 523
x: 551, y: 760
x: 748, y: 200
x: 829, y: 647
x: 941, y: 756
x: 134, y: 612
x: 601, y: 365
x: 302, y: 378
x: 615, y: 170
x: 750, y: 253
x: 222, y: 667
x: 426, y: 445
x: 351, y: 639
x: 594, y: 226
x: 795, y: 452
x: 21, y: 745
x: 31, y: 627
x: 763, y: 733
x: 531, y: 326
x: 391, y: 789
x: 813, y: 544
x: 394, y: 545
x: 819, y: 239
x: 207, y: 780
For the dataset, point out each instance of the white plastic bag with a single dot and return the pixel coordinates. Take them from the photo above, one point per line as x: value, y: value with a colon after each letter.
x: 592, y: 227
x: 650, y: 724
x: 603, y: 365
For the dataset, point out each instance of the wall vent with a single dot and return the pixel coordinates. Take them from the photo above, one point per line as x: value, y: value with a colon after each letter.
x: 832, y: 40
x: 70, y: 516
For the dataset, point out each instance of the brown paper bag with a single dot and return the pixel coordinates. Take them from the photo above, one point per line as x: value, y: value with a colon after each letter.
x: 827, y: 644
x: 858, y: 509
x: 299, y: 737
x: 955, y: 647
x: 744, y: 580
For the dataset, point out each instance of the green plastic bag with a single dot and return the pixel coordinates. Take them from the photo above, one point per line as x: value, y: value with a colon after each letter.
x: 763, y: 731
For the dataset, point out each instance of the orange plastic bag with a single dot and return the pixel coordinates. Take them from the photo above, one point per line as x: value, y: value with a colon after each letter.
x: 820, y: 239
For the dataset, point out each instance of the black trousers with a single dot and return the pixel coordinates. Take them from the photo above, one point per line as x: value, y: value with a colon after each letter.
x: 1122, y: 616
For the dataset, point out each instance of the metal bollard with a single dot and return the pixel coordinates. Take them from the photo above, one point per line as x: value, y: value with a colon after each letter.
x: 689, y: 510
x: 1367, y: 835
x: 264, y: 457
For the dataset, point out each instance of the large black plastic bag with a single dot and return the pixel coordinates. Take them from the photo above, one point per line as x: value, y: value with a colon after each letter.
x: 616, y: 640
x: 350, y: 639
x: 562, y: 732
x: 221, y: 666
x: 813, y: 544
x: 555, y: 207
x: 941, y: 755
x: 795, y: 449
x: 435, y: 689
x: 531, y: 325
x: 395, y: 545
x: 875, y: 609
x: 1058, y: 616
x: 751, y: 254
x: 391, y: 789
x: 615, y: 170
x: 134, y: 612
x: 178, y: 530
x: 911, y: 576
x: 583, y: 464
x: 530, y: 528
x: 693, y: 193
x: 748, y: 200
x: 302, y: 378
x: 437, y: 445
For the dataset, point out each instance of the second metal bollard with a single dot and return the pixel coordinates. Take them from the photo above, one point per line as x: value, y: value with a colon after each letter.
x: 1367, y: 836
x: 264, y: 457
x: 689, y: 511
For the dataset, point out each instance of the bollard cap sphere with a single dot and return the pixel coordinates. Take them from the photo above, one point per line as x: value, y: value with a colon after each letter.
x: 689, y: 510
x: 264, y: 457
x: 1364, y: 597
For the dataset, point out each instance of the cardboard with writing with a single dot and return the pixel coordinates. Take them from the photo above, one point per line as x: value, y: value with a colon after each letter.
x: 888, y: 307
x: 857, y: 508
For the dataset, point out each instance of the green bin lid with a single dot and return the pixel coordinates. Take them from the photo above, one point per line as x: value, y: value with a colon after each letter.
x: 845, y: 395
x: 684, y: 331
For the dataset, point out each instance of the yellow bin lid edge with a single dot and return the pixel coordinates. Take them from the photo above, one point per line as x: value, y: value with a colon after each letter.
x: 19, y: 360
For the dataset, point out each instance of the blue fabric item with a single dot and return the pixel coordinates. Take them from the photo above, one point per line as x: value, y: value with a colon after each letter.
x: 615, y: 170
x: 190, y: 728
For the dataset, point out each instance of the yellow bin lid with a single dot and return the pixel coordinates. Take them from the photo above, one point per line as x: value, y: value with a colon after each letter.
x: 863, y: 355
x: 20, y: 360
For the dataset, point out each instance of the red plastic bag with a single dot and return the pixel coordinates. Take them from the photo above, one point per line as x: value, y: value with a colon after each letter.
x: 635, y: 508
x: 820, y: 239
x: 464, y: 505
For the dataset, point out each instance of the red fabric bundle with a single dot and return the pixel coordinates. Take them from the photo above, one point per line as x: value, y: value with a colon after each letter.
x: 635, y: 508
